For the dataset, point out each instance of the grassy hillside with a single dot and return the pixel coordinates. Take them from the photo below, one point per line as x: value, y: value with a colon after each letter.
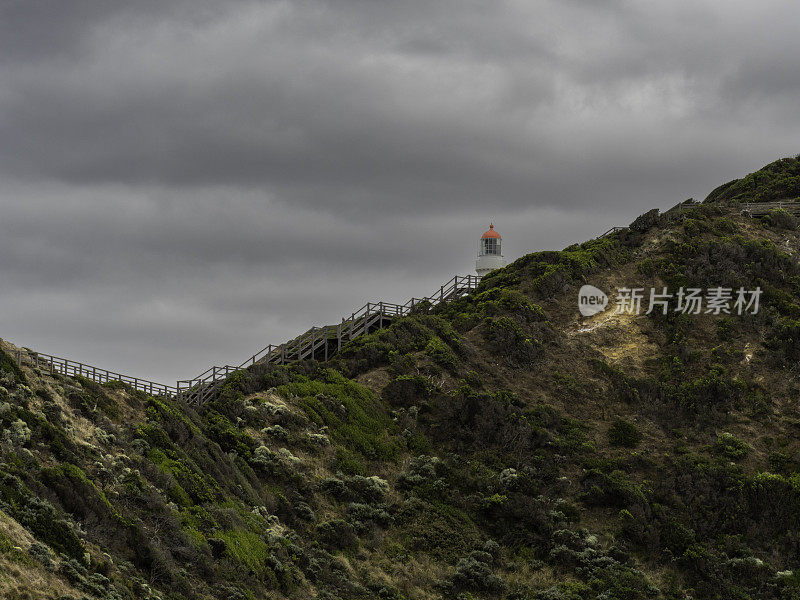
x: 778, y: 181
x: 500, y: 446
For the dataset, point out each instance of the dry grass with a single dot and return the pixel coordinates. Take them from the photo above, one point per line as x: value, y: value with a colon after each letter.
x: 21, y: 577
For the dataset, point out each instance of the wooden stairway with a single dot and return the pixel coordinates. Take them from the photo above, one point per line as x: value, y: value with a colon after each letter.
x: 320, y: 343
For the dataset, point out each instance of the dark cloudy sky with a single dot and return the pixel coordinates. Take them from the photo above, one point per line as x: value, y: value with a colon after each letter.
x: 183, y: 182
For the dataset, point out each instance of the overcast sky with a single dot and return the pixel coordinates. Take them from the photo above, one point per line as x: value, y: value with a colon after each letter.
x: 182, y: 183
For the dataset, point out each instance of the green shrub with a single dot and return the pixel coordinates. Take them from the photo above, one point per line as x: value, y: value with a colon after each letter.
x: 475, y: 573
x: 624, y: 433
x: 336, y: 534
x: 405, y: 335
x: 512, y: 303
x: 725, y: 329
x: 363, y: 517
x: 368, y: 490
x: 38, y: 516
x: 401, y: 364
x: 441, y: 354
x: 507, y: 339
x: 9, y: 365
x: 436, y: 528
x: 190, y: 486
x: 354, y: 417
x: 724, y: 226
x: 647, y: 267
x: 731, y: 447
x: 251, y: 550
x: 780, y: 219
x: 715, y: 391
x: 694, y: 227
x: 78, y: 494
x: 229, y: 437
x: 349, y: 462
x: 116, y: 384
x: 94, y: 398
x: 613, y: 489
x: 785, y: 340
x: 407, y: 390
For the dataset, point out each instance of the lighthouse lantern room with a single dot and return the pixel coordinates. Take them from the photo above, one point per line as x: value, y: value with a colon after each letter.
x: 490, y: 255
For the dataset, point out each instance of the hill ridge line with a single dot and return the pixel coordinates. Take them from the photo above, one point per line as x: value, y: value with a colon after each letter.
x: 318, y: 342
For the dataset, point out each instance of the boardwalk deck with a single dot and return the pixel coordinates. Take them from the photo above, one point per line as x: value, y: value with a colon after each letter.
x: 319, y: 343
x: 71, y: 368
x: 759, y: 209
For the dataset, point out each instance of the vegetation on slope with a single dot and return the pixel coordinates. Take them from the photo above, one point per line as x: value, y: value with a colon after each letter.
x: 778, y: 181
x: 499, y: 446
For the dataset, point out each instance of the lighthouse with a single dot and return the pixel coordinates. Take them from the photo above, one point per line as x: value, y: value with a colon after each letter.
x: 490, y: 255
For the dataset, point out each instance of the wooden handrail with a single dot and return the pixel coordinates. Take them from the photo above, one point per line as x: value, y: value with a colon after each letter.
x: 326, y: 340
x: 316, y: 339
x: 762, y: 208
x: 71, y: 368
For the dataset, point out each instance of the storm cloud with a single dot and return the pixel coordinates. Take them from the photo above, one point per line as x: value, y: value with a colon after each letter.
x: 182, y: 183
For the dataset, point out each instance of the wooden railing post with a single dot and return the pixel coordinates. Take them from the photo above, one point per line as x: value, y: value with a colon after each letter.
x: 207, y: 384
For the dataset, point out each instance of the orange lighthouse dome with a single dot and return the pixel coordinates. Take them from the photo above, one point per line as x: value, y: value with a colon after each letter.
x: 490, y: 254
x: 491, y: 233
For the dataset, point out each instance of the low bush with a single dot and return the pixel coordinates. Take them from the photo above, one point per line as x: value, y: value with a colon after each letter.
x: 9, y: 365
x: 38, y: 516
x: 508, y: 340
x: 612, y: 489
x: 354, y: 418
x: 441, y: 354
x: 407, y: 390
x: 475, y: 573
x: 731, y: 447
x: 336, y: 534
x: 250, y: 550
x: 780, y: 219
x: 624, y: 433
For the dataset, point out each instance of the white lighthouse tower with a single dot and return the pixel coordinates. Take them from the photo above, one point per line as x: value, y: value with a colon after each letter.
x: 490, y: 255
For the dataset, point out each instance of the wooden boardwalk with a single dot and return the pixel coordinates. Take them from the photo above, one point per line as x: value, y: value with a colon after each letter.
x: 319, y: 343
x: 71, y: 368
x: 759, y: 209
